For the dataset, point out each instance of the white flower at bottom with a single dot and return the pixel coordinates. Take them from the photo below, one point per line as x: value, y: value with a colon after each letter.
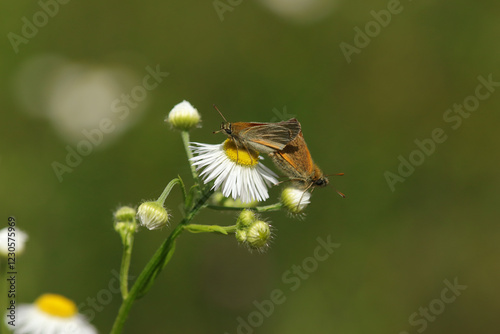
x: 235, y: 170
x: 50, y: 314
x: 295, y: 200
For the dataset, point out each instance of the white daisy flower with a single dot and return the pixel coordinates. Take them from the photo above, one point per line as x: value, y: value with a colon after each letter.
x: 50, y: 314
x: 236, y: 171
x: 12, y: 241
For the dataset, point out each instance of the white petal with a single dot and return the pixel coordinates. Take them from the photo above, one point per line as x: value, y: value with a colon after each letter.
x: 247, y: 183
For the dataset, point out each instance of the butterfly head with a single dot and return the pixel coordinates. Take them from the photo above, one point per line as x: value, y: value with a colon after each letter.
x: 322, y: 181
x: 226, y: 128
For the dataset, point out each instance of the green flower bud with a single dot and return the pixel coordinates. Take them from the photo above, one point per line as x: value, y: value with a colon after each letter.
x: 183, y: 116
x: 125, y: 222
x: 241, y: 235
x: 125, y: 214
x: 295, y: 200
x: 217, y: 198
x: 251, y: 231
x: 152, y: 215
x: 259, y: 235
x: 245, y: 219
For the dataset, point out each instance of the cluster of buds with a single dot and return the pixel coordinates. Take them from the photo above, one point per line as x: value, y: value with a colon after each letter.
x: 253, y: 232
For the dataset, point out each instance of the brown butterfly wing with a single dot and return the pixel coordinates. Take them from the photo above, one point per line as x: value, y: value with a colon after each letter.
x: 295, y: 159
x: 270, y: 137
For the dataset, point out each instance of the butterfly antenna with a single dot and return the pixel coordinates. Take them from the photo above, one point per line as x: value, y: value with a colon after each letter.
x: 338, y: 192
x: 338, y: 174
x: 224, y: 118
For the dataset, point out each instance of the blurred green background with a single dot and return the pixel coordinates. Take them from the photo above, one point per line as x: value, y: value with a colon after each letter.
x: 262, y: 59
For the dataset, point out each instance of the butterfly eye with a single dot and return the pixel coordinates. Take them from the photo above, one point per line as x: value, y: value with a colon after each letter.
x: 321, y: 182
x: 226, y: 127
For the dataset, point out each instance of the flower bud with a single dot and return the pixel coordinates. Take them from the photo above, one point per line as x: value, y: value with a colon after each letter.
x: 15, y: 234
x: 259, y: 235
x: 295, y: 200
x: 125, y: 223
x: 217, y: 198
x: 125, y: 214
x: 183, y: 116
x: 152, y: 215
x: 245, y: 219
x: 241, y: 235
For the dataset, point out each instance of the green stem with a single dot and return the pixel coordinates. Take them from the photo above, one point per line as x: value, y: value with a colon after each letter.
x: 197, y: 228
x: 184, y: 194
x: 151, y: 268
x: 167, y: 190
x: 185, y: 140
x: 125, y: 266
x: 273, y: 207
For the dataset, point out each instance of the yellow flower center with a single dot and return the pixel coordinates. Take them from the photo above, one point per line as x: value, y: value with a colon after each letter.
x: 241, y: 156
x: 56, y: 305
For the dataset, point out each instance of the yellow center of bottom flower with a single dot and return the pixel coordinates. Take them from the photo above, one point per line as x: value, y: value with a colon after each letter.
x: 56, y: 305
x: 240, y: 155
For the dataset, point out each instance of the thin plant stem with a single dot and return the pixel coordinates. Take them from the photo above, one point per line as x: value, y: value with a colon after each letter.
x: 125, y: 266
x: 185, y: 140
x: 197, y: 228
x: 156, y: 262
x: 268, y: 208
x: 167, y: 190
